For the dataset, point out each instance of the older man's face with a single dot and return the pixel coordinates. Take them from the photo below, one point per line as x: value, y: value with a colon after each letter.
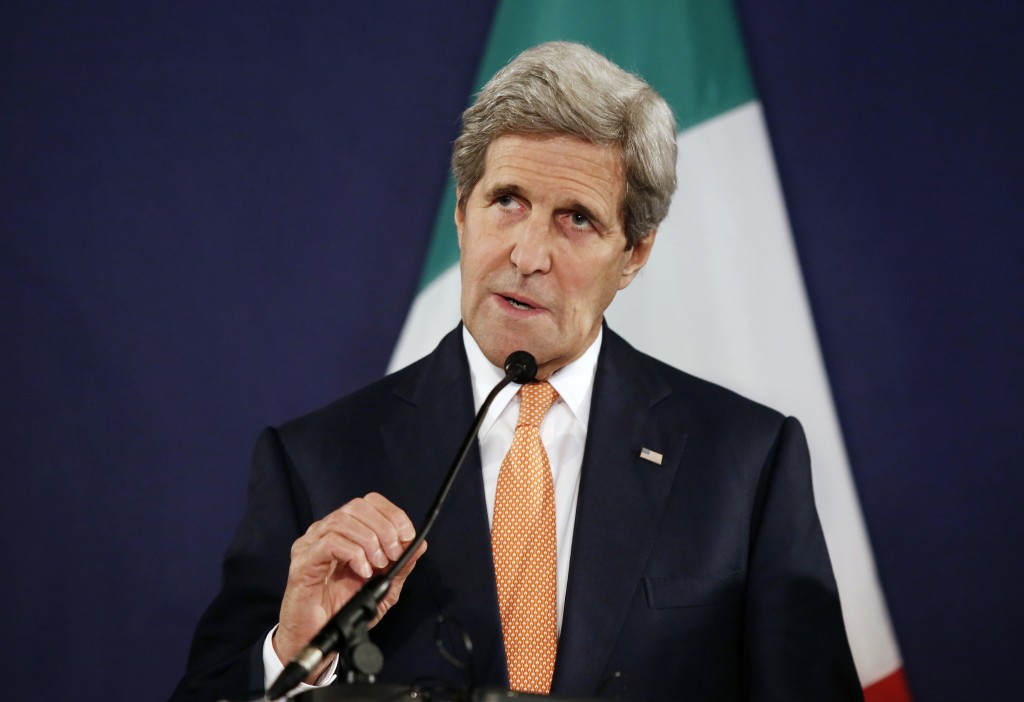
x: 544, y: 248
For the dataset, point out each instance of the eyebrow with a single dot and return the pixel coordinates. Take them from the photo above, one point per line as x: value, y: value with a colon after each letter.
x: 501, y: 189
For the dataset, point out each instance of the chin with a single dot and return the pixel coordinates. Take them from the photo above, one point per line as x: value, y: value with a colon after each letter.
x: 502, y: 351
x: 498, y: 346
x: 499, y: 335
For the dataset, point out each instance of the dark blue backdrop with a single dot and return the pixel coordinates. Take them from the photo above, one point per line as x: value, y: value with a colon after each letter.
x: 213, y: 216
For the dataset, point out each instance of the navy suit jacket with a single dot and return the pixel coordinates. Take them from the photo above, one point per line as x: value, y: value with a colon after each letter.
x: 703, y: 578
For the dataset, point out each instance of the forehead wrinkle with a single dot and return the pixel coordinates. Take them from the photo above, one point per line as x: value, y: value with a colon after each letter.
x: 597, y: 169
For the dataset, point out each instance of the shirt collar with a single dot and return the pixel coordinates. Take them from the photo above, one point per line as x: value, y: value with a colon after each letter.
x: 574, y: 382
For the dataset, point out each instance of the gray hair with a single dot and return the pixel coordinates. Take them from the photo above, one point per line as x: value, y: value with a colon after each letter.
x: 567, y: 88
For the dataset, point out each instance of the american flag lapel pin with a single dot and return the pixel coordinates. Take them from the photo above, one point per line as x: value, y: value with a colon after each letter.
x: 652, y: 456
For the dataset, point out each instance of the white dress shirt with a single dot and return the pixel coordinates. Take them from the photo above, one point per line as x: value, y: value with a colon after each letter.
x: 563, y: 432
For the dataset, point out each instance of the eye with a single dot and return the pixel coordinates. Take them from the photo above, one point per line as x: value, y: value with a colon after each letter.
x: 505, y: 201
x: 579, y: 220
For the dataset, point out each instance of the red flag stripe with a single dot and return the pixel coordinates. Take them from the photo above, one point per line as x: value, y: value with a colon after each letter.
x: 891, y: 688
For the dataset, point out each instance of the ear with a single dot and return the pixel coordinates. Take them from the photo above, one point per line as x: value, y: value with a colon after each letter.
x: 460, y: 216
x: 637, y: 258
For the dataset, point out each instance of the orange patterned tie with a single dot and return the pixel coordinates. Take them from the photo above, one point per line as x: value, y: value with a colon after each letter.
x: 523, y: 544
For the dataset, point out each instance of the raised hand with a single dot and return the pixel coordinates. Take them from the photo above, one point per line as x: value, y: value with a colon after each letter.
x: 333, y: 559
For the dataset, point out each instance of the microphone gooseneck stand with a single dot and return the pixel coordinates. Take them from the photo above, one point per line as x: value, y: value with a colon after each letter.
x: 346, y: 632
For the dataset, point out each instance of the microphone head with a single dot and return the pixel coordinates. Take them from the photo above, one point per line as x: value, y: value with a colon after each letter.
x: 521, y: 367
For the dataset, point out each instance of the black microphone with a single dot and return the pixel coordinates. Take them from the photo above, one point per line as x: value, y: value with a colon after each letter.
x: 348, y: 626
x: 520, y: 367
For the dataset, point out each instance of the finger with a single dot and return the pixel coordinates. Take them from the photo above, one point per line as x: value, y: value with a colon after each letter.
x: 356, y: 536
x: 332, y: 549
x: 390, y: 524
x: 397, y: 584
x: 407, y: 568
x: 322, y: 545
x: 362, y: 522
x: 398, y: 518
x: 371, y: 515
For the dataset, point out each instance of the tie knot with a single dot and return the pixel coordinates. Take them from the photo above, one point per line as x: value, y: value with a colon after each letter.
x: 535, y: 399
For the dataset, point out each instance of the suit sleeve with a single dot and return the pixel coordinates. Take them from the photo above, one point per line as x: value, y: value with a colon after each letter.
x: 225, y: 661
x: 795, y: 645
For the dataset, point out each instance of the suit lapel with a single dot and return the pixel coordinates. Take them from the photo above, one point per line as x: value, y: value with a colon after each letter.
x: 621, y: 500
x: 434, y: 412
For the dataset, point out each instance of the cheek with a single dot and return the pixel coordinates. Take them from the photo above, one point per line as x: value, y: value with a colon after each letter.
x: 480, y: 251
x: 479, y: 269
x: 594, y: 292
x: 586, y: 292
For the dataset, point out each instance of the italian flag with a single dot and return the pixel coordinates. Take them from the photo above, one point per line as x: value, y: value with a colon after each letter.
x: 722, y: 296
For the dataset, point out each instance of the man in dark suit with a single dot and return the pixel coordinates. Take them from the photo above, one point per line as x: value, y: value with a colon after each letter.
x: 686, y: 560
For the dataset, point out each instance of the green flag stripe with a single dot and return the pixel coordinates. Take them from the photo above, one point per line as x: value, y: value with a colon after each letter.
x: 689, y: 50
x: 444, y: 246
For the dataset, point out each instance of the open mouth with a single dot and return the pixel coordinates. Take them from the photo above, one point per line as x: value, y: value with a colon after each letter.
x: 518, y: 304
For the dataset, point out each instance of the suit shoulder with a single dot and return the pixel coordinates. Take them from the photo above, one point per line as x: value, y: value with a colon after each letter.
x: 701, y: 398
x: 351, y: 412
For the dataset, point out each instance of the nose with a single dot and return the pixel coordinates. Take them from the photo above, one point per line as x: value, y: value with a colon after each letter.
x: 531, y: 248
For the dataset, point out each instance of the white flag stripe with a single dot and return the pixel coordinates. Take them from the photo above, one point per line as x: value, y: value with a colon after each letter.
x: 434, y: 313
x: 723, y: 298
